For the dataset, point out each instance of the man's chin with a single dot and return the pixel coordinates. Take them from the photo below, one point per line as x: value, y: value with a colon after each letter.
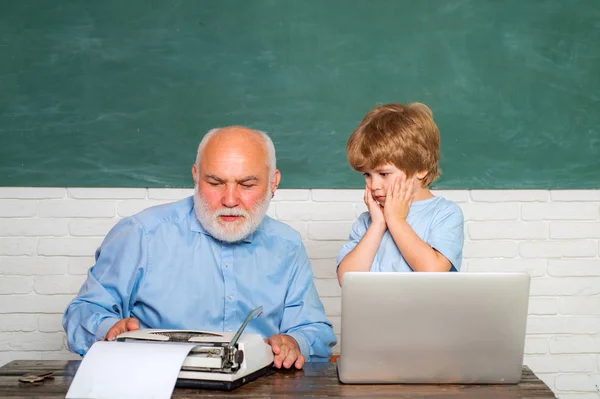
x: 231, y: 231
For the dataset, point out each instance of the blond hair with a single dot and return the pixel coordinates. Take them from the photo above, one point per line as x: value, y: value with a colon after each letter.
x: 404, y: 135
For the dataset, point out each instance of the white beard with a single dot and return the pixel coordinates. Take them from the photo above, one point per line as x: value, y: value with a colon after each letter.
x: 230, y: 231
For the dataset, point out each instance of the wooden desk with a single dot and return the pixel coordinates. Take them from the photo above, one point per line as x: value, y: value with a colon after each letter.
x: 316, y: 380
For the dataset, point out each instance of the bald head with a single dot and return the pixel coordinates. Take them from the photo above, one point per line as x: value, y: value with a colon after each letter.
x: 253, y: 143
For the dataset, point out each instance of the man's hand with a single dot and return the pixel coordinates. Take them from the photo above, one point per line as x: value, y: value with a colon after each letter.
x: 398, y: 198
x: 121, y: 326
x: 375, y: 210
x: 286, y: 351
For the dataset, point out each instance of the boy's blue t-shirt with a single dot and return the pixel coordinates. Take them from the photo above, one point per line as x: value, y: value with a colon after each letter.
x: 436, y: 221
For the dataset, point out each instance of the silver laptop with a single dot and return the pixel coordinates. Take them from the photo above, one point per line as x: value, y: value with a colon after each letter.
x: 466, y: 328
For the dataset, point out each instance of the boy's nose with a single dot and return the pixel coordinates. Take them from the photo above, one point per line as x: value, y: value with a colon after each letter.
x: 376, y: 185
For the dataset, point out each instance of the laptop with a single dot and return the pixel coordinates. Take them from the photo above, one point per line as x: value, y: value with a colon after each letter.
x: 433, y: 328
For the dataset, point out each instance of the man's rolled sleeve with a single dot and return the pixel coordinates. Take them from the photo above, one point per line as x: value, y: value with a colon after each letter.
x: 104, y: 326
x: 106, y: 295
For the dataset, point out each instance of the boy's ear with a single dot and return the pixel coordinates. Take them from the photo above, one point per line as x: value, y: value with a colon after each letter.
x: 422, y: 174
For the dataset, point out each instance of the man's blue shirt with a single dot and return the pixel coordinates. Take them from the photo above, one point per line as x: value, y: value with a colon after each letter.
x: 161, y: 267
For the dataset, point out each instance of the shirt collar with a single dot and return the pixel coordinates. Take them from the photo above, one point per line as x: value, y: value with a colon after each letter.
x: 196, y: 226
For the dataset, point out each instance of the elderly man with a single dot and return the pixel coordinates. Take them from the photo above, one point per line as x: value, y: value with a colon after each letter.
x: 204, y: 262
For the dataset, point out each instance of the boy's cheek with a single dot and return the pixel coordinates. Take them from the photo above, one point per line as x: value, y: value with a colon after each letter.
x: 381, y: 190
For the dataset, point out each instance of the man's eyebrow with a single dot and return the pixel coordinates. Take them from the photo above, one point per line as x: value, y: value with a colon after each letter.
x: 213, y: 177
x: 247, y: 179
x: 242, y: 180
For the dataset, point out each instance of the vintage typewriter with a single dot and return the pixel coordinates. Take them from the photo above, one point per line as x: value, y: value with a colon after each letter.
x: 222, y: 361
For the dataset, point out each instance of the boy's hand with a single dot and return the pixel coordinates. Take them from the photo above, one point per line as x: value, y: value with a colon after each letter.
x: 399, y: 196
x: 375, y: 209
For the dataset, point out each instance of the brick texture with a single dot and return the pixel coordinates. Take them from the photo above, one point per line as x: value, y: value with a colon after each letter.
x: 48, y: 237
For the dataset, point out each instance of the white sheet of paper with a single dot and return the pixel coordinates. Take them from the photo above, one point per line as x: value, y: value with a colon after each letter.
x: 129, y: 370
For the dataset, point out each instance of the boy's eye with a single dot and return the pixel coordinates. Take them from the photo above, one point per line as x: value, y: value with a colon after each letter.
x: 366, y: 174
x: 383, y: 174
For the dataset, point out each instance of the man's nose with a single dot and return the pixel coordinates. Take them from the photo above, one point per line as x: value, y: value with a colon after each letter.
x: 230, y: 198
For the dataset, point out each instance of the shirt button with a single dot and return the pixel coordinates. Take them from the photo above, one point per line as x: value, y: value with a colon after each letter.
x: 226, y: 264
x: 230, y: 297
x: 229, y: 330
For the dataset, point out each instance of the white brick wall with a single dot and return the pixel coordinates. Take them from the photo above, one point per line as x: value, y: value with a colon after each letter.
x: 48, y: 237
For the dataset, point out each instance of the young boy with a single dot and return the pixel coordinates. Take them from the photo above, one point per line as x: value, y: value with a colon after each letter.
x: 406, y: 228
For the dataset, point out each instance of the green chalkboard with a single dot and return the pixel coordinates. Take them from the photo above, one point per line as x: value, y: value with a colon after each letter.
x: 119, y: 93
